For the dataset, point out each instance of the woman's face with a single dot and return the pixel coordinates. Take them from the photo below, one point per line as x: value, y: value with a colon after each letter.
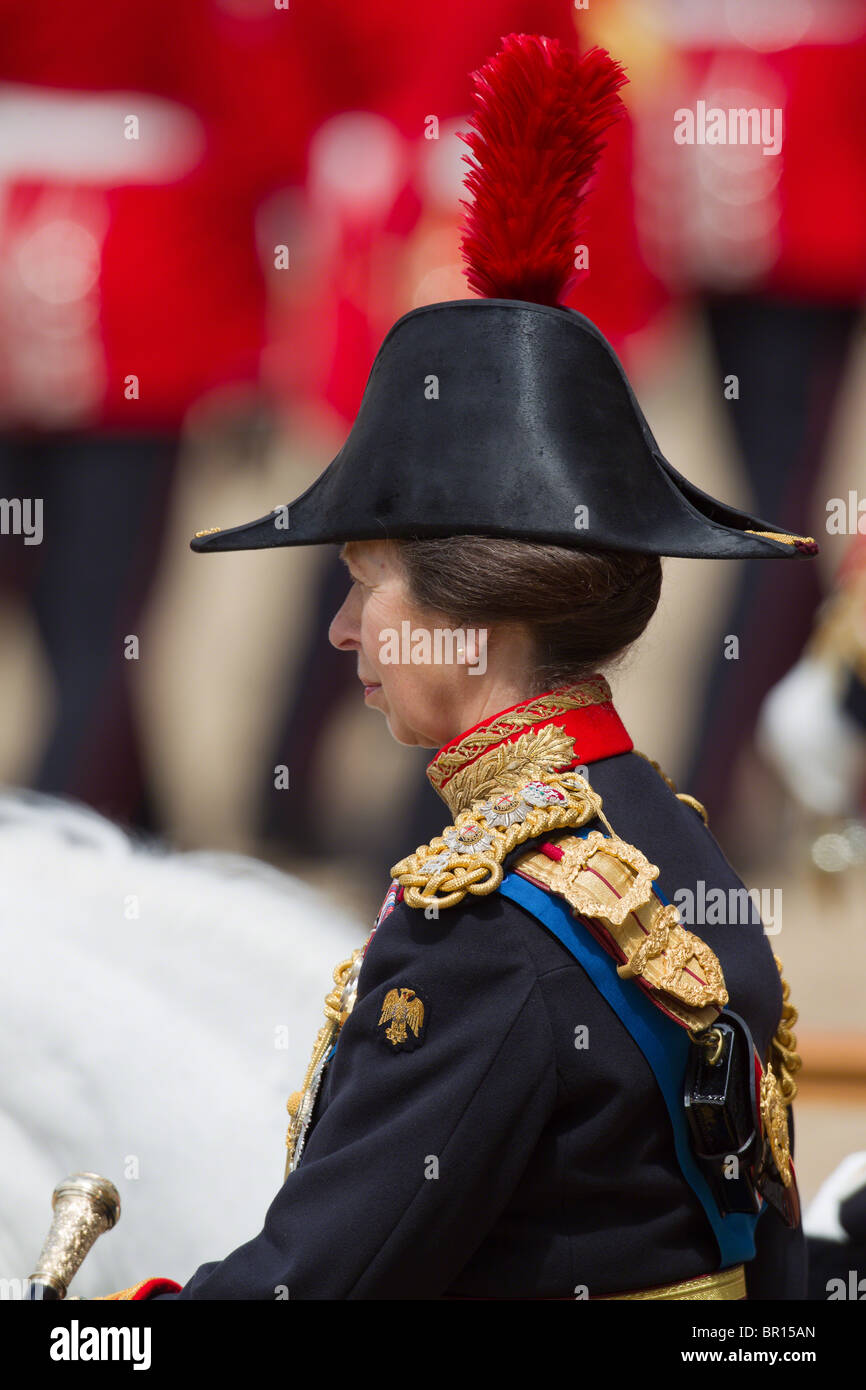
x: 430, y: 699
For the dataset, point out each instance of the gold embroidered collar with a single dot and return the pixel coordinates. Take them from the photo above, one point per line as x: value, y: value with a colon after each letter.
x: 571, y: 725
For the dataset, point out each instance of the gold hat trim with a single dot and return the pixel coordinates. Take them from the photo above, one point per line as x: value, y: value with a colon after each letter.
x: 780, y: 536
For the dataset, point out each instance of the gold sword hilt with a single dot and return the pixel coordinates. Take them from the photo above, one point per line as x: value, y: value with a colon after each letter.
x: 84, y: 1206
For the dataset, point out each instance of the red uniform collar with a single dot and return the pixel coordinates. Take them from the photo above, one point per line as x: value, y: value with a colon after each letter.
x: 584, y: 713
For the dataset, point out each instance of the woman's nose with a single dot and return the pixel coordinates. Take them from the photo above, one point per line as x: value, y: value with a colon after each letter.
x: 343, y: 632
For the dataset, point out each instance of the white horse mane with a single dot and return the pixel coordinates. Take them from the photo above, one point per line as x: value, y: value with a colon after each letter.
x: 158, y: 1007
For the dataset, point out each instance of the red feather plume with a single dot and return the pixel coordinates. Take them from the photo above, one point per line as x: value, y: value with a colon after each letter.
x: 539, y: 116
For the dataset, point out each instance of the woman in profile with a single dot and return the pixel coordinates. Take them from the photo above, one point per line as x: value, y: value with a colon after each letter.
x: 552, y: 1072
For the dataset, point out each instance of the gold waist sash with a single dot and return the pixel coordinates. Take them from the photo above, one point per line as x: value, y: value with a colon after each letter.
x: 725, y: 1283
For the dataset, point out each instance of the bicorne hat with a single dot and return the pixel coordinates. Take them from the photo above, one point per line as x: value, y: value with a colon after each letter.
x: 510, y: 414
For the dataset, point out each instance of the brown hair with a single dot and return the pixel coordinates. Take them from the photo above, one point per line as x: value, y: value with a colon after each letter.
x: 584, y: 608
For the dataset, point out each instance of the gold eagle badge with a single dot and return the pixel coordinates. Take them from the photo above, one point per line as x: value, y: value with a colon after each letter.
x: 404, y: 1014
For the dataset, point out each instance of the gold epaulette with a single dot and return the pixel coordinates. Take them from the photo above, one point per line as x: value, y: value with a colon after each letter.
x: 467, y: 857
x: 611, y: 882
x: 601, y: 876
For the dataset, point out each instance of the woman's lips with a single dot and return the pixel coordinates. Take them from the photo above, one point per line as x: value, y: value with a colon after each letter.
x: 368, y: 689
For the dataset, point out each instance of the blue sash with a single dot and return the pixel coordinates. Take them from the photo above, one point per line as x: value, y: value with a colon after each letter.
x: 663, y: 1043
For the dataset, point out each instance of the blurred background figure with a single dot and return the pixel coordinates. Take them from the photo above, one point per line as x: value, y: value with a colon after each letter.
x: 130, y: 289
x: 812, y: 724
x: 766, y: 238
x: 835, y: 1226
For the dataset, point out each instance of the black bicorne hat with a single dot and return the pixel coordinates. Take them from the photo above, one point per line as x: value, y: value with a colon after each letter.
x: 512, y: 416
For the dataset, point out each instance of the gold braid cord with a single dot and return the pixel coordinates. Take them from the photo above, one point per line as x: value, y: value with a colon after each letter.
x: 785, y: 1059
x: 338, y: 1006
x: 778, y: 1087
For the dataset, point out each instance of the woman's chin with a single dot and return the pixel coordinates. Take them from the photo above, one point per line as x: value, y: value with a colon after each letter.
x: 397, y: 728
x: 374, y: 698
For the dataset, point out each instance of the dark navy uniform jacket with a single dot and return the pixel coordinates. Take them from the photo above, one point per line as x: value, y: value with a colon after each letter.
x: 494, y: 1159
